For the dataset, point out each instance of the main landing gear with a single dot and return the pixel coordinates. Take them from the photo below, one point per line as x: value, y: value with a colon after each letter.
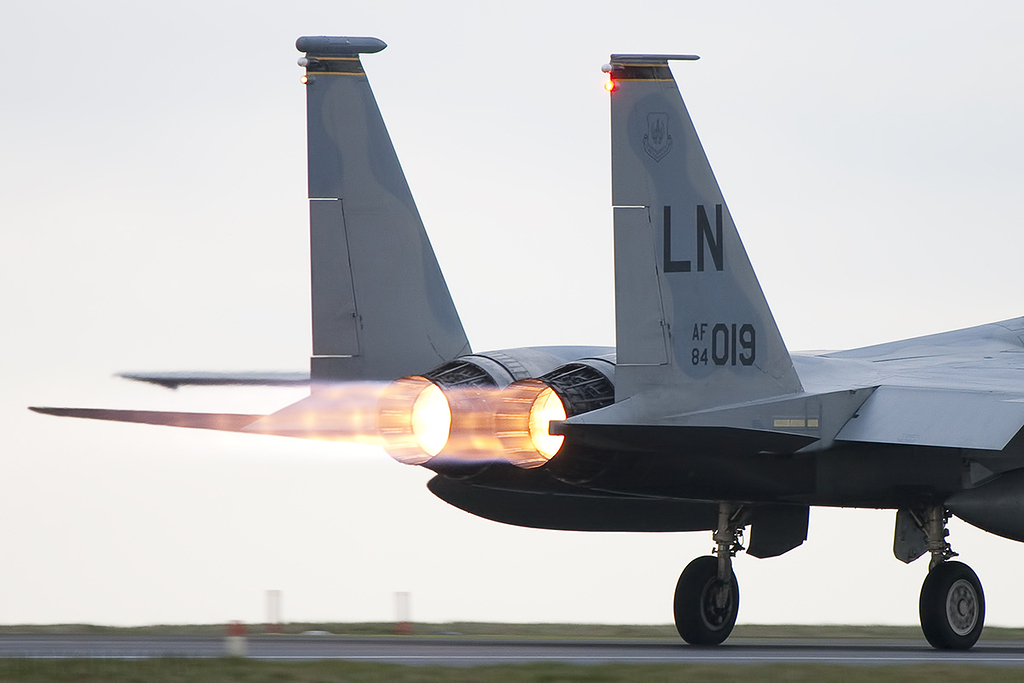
x: 707, y: 595
x: 952, y: 603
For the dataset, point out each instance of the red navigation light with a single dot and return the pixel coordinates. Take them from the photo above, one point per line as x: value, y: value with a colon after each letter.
x: 609, y: 85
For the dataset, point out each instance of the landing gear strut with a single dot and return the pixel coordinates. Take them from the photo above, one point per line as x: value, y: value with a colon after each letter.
x: 952, y: 603
x: 707, y: 596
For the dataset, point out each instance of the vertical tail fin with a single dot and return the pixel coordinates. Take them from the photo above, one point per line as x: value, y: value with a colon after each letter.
x: 381, y: 308
x: 690, y: 315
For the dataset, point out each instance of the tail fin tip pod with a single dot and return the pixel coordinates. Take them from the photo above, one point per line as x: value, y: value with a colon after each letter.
x: 691, y: 318
x: 380, y: 306
x: 338, y: 45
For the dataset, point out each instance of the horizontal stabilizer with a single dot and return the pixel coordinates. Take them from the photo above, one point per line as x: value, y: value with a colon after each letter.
x: 173, y: 380
x: 345, y: 411
x: 225, y: 422
x: 666, y: 438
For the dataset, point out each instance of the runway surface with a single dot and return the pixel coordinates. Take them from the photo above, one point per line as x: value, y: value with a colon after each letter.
x: 458, y: 651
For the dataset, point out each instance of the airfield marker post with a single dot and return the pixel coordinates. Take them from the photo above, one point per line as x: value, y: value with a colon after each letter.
x: 274, y: 612
x: 403, y: 622
x: 234, y: 642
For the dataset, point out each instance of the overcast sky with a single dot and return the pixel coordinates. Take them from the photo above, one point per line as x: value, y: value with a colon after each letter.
x: 153, y: 217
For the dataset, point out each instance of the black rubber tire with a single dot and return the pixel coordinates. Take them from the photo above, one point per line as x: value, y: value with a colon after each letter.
x: 705, y: 608
x: 952, y: 607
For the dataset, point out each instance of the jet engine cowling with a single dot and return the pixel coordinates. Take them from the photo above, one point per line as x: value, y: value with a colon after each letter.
x: 447, y: 419
x: 527, y: 407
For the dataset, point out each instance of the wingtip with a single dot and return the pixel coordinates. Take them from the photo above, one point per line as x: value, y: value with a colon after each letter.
x: 43, y: 410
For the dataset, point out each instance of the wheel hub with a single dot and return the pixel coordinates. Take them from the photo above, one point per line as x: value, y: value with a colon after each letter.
x: 962, y: 607
x: 716, y: 604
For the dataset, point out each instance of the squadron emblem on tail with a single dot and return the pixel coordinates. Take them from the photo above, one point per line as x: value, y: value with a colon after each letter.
x: 657, y: 141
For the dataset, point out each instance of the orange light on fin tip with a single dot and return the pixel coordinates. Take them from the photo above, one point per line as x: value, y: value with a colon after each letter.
x: 609, y: 85
x: 304, y: 80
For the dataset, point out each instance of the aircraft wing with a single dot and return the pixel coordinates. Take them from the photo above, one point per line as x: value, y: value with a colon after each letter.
x: 173, y: 380
x: 956, y: 389
x: 1006, y: 336
x: 946, y: 418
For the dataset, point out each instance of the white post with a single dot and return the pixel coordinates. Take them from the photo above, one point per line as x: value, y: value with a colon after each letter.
x: 234, y: 643
x: 274, y: 611
x: 403, y: 622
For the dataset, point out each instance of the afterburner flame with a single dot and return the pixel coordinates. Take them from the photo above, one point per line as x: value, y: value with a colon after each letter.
x: 431, y: 420
x: 546, y: 408
x: 343, y: 411
x: 413, y: 419
x: 420, y: 422
x: 523, y: 419
x: 473, y: 439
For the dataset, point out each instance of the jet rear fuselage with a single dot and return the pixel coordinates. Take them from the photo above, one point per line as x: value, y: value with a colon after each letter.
x: 846, y: 475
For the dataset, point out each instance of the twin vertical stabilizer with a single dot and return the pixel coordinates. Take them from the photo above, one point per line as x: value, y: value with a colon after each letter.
x: 691, y: 319
x: 381, y: 308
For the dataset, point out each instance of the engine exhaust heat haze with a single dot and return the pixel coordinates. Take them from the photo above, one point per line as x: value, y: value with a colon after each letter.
x: 418, y: 421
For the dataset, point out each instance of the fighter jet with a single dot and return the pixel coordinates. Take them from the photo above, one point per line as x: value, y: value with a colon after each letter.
x: 699, y: 419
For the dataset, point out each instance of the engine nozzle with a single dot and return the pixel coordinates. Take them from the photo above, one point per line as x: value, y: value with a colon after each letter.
x: 523, y: 419
x: 414, y: 420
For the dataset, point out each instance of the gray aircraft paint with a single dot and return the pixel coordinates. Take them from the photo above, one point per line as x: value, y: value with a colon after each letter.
x: 381, y: 307
x: 930, y: 419
x: 678, y: 255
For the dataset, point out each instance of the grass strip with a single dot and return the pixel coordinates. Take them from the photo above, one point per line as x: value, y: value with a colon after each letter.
x: 496, y: 630
x: 248, y: 671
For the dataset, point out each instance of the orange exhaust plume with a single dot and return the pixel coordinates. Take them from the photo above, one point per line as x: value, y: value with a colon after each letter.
x: 522, y: 421
x: 417, y: 421
x: 414, y: 420
x: 337, y: 412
